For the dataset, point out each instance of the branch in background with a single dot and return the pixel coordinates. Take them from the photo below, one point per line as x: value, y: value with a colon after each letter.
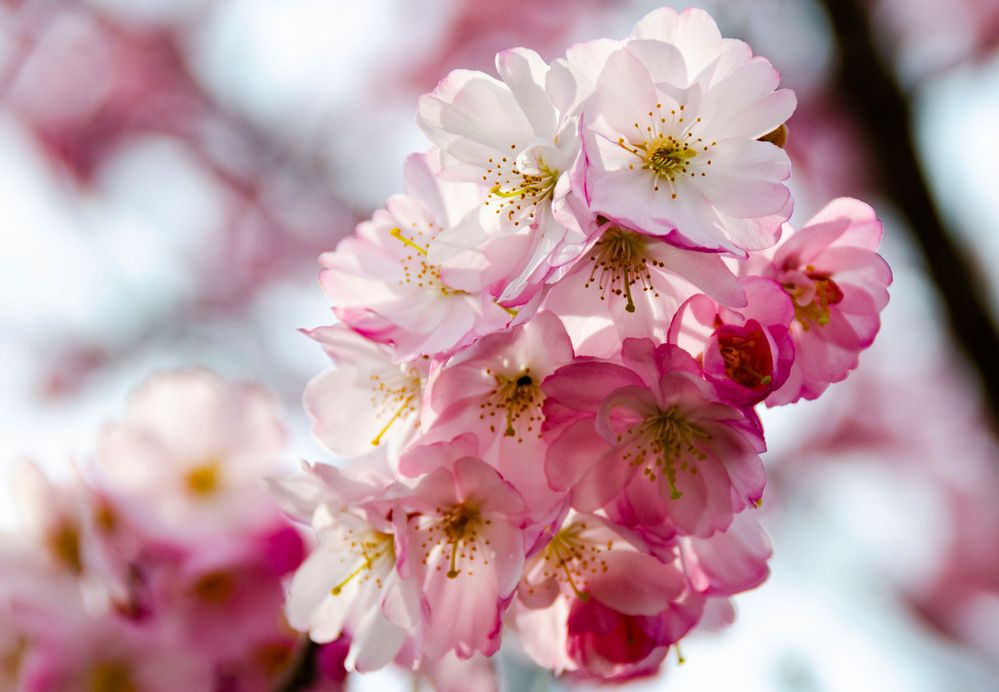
x: 303, y: 673
x: 884, y: 115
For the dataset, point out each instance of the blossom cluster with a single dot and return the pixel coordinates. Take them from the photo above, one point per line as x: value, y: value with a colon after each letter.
x: 548, y: 355
x: 161, y: 566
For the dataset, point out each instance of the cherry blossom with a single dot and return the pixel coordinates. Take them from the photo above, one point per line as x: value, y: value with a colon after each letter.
x: 382, y: 396
x: 838, y: 284
x: 746, y: 353
x: 506, y: 136
x: 649, y: 432
x: 629, y: 284
x: 581, y: 596
x: 350, y: 582
x: 670, y: 137
x: 492, y: 390
x: 383, y: 283
x: 193, y: 445
x: 545, y: 365
x: 461, y: 538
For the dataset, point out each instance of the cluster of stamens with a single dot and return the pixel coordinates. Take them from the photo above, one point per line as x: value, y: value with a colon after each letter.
x: 416, y: 270
x: 619, y: 262
x: 518, y: 399
x: 747, y: 357
x: 451, y: 538
x: 396, y: 399
x: 668, y: 156
x: 817, y: 312
x: 64, y: 545
x: 214, y: 587
x: 664, y: 444
x: 514, y: 194
x: 205, y: 478
x: 573, y: 558
x: 368, y: 550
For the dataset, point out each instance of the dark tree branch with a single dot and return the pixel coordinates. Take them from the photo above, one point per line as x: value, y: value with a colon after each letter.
x: 884, y: 113
x: 302, y: 674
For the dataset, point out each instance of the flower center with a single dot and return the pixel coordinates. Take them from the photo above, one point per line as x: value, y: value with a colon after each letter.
x: 571, y: 557
x: 668, y: 158
x: 64, y: 542
x: 817, y: 312
x: 667, y: 147
x: 214, y: 587
x: 517, y: 398
x: 112, y: 676
x: 368, y: 549
x: 620, y: 261
x: 204, y: 479
x: 516, y: 194
x: 455, y: 531
x: 415, y: 268
x: 666, y: 442
x: 747, y: 356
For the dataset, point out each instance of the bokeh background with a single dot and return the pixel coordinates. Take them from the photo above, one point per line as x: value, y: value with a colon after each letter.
x: 170, y: 169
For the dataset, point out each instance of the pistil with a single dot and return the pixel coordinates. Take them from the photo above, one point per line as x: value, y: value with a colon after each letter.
x: 620, y: 260
x: 370, y: 549
x: 817, y: 312
x: 517, y: 397
x: 517, y: 194
x: 668, y: 146
x: 673, y: 444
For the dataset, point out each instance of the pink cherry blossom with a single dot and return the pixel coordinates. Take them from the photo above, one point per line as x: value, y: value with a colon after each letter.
x: 350, y: 582
x: 746, y: 353
x: 460, y: 536
x: 595, y: 603
x: 110, y: 654
x: 697, y: 456
x: 629, y: 284
x: 729, y: 562
x: 492, y: 391
x: 188, y: 454
x: 220, y: 588
x: 384, y: 285
x: 35, y: 600
x: 670, y: 137
x: 453, y: 674
x: 53, y: 520
x: 507, y: 137
x: 367, y: 399
x: 838, y: 284
x: 610, y: 645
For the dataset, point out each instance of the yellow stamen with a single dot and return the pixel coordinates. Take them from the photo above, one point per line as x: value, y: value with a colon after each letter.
x: 510, y: 311
x: 564, y: 565
x: 397, y: 234
x: 672, y: 442
x: 395, y: 416
x: 366, y: 564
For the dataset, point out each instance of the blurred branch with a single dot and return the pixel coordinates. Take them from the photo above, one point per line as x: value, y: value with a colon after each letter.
x: 884, y: 116
x: 302, y: 674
